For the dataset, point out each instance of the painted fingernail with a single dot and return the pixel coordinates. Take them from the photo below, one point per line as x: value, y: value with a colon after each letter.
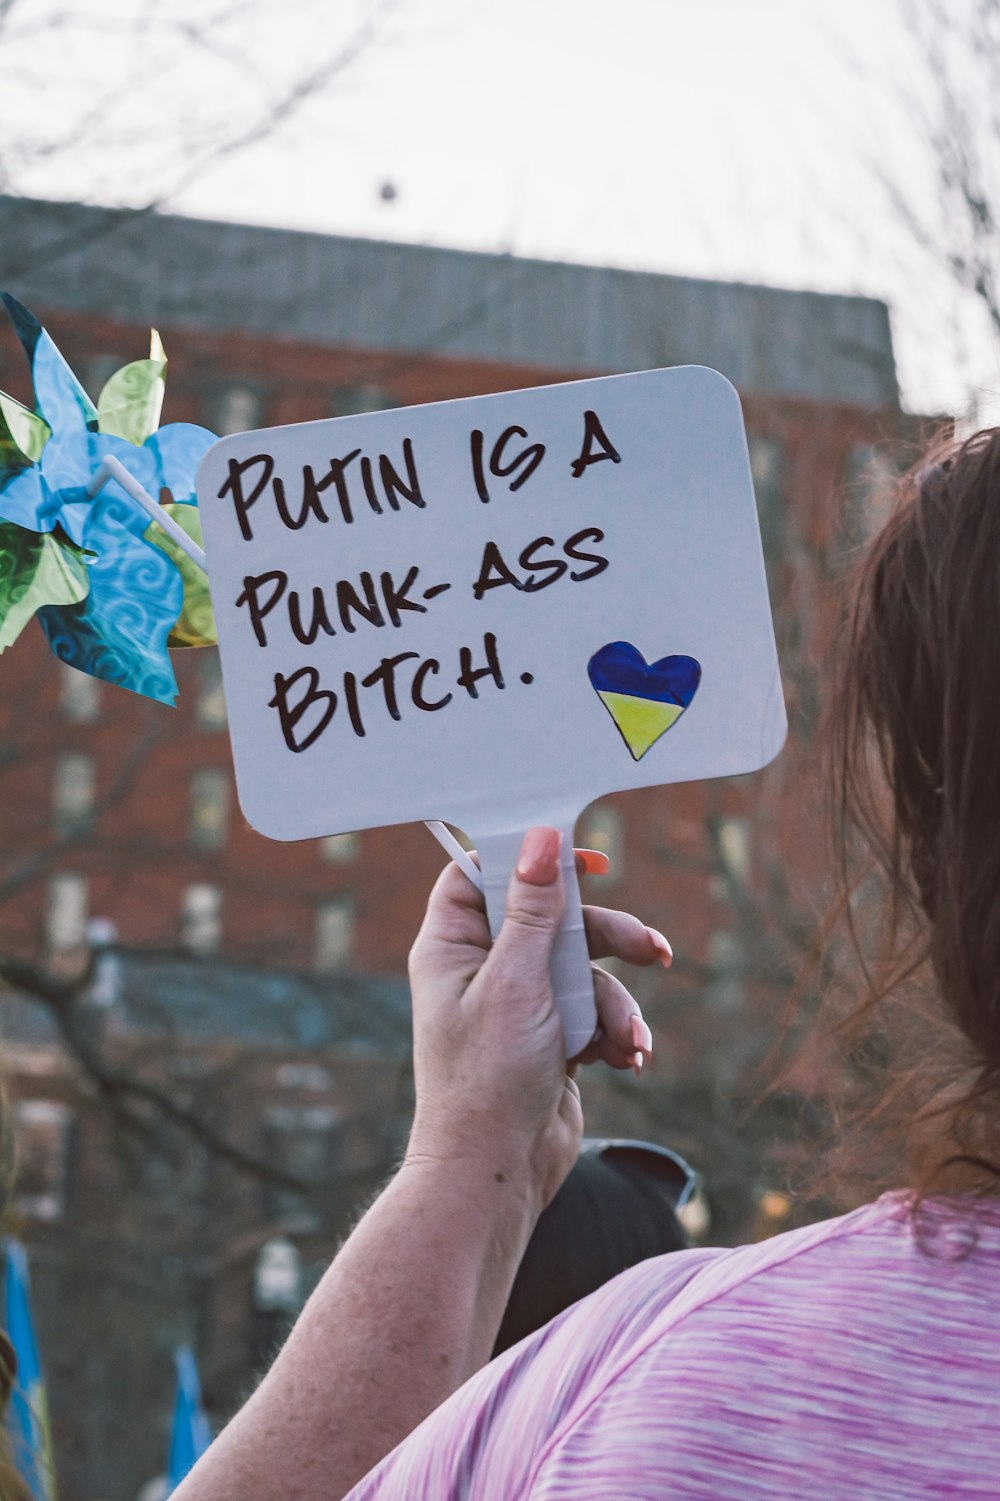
x: 592, y: 862
x: 538, y: 862
x: 642, y: 1037
x: 662, y: 947
x: 637, y: 1064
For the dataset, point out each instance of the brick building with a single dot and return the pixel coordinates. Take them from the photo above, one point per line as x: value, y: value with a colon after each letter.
x: 266, y: 326
x: 119, y: 819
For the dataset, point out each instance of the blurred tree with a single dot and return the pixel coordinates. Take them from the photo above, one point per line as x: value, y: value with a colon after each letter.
x: 185, y: 1135
x: 952, y: 109
x: 145, y: 99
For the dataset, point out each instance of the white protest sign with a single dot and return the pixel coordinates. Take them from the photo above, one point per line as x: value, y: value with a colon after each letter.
x: 492, y: 611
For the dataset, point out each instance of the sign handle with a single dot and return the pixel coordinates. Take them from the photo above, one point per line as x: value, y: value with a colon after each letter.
x: 572, y: 982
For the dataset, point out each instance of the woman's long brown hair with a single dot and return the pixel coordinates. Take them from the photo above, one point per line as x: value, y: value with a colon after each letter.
x: 915, y: 742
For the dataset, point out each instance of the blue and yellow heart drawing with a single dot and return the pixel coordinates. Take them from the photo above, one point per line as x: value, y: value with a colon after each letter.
x: 645, y: 699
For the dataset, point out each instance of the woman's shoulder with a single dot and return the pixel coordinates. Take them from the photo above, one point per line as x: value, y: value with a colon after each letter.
x: 897, y: 1229
x: 894, y: 1250
x: 705, y: 1271
x: 903, y: 1267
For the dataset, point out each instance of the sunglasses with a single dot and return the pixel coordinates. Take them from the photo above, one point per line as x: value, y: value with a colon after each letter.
x: 660, y: 1163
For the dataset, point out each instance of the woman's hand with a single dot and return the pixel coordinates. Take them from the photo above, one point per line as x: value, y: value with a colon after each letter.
x: 491, y: 1078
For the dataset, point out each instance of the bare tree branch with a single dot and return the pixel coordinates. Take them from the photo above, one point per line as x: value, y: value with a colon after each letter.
x: 957, y: 118
x: 208, y: 35
x: 121, y: 1089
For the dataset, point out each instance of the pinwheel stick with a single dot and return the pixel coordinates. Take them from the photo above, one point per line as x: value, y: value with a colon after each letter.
x: 447, y: 841
x: 112, y: 468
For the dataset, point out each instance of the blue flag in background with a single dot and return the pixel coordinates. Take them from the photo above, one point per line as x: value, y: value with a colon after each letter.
x: 29, y: 1419
x: 190, y: 1436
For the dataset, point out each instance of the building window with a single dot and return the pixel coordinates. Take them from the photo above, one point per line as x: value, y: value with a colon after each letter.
x: 339, y: 849
x: 233, y: 409
x: 209, y: 807
x: 79, y: 695
x: 211, y: 703
x: 66, y: 913
x: 201, y: 918
x: 600, y: 828
x: 72, y: 793
x: 725, y: 990
x: 767, y: 466
x: 277, y: 1278
x: 349, y: 401
x: 42, y: 1130
x: 304, y: 1142
x: 334, y: 934
x: 732, y: 848
x: 303, y: 1076
x: 105, y: 988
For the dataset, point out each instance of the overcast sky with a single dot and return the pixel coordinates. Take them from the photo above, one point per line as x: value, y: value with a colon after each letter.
x: 729, y: 139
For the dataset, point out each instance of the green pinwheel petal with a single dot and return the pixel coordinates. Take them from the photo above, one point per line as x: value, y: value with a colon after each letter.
x: 129, y: 406
x: 26, y: 430
x: 196, y: 623
x: 36, y: 569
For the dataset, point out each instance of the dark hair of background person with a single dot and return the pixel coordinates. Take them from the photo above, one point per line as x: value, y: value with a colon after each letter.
x: 615, y: 1209
x: 913, y: 1063
x: 12, y: 1487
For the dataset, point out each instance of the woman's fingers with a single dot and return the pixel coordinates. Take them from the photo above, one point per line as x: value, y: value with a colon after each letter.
x: 588, y: 862
x: 456, y: 916
x: 457, y: 905
x: 619, y: 935
x: 455, y: 913
x: 622, y: 1040
x: 591, y: 862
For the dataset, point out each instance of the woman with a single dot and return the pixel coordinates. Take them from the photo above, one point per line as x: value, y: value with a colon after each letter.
x: 856, y: 1358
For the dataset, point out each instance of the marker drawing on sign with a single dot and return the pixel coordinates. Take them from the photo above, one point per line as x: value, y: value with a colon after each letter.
x: 644, y: 699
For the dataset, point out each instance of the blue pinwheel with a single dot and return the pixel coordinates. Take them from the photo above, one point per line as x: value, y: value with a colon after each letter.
x: 110, y: 590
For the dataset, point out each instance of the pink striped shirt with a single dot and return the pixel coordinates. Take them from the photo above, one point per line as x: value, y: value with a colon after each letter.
x: 859, y: 1358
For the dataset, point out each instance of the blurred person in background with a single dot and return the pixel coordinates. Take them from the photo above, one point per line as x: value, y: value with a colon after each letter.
x: 620, y: 1205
